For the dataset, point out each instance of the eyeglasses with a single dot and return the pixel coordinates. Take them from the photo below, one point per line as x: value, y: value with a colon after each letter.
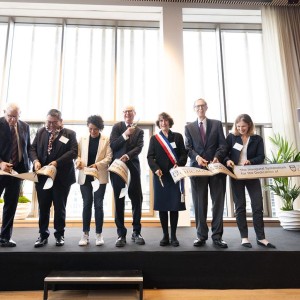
x: 200, y: 106
x: 51, y: 122
x: 12, y: 117
x: 128, y: 111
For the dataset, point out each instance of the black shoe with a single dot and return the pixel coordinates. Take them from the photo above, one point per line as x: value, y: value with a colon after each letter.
x: 165, y: 241
x: 40, y: 242
x: 137, y: 238
x: 199, y: 243
x: 269, y: 245
x: 121, y: 241
x: 247, y: 245
x: 174, y: 243
x: 220, y: 243
x: 60, y: 241
x: 7, y: 243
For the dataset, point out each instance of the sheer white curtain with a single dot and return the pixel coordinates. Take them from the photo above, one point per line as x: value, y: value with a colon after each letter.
x: 281, y: 33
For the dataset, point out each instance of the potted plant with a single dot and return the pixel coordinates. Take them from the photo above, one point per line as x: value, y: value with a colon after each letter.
x: 23, y: 208
x: 283, y: 187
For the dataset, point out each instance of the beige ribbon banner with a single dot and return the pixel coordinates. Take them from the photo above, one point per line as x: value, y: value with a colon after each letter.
x: 93, y: 172
x: 240, y: 172
x: 118, y: 167
x: 49, y: 171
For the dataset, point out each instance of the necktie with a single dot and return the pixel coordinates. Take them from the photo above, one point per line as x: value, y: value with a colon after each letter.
x: 51, y: 139
x: 202, y: 132
x: 14, y: 151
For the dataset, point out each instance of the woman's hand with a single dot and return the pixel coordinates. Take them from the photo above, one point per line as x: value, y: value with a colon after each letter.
x: 159, y: 173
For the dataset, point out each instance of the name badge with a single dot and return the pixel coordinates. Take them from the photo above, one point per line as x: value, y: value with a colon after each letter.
x: 173, y: 145
x: 63, y: 139
x: 238, y: 146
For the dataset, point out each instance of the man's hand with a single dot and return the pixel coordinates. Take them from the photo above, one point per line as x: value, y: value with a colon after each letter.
x: 201, y: 161
x: 6, y: 167
x: 124, y: 158
x: 215, y: 160
x: 129, y: 131
x: 53, y: 163
x: 159, y: 173
x: 230, y: 163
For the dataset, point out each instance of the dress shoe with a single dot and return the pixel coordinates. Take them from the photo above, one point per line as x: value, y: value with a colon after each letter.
x: 59, y: 241
x: 199, y: 243
x: 7, y: 243
x: 137, y: 238
x: 165, y: 240
x: 121, y: 241
x: 269, y: 245
x: 247, y: 245
x: 174, y: 242
x: 40, y: 242
x: 220, y: 243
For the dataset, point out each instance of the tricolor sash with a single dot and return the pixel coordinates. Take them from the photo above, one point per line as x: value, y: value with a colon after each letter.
x: 169, y: 150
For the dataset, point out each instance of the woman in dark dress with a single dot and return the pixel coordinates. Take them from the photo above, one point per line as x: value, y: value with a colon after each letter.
x: 247, y: 148
x: 167, y: 151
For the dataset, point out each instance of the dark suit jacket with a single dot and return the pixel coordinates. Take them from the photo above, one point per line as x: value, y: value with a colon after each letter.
x: 131, y: 147
x: 215, y: 145
x: 255, y: 149
x: 62, y: 153
x: 6, y: 144
x: 157, y: 157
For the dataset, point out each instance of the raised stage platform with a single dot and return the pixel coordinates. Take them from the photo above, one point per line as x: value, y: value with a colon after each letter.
x: 25, y: 267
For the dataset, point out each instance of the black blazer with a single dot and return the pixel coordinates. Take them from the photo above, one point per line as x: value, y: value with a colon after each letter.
x: 132, y: 147
x: 62, y: 153
x: 215, y: 145
x: 157, y: 157
x: 255, y: 149
x: 6, y: 144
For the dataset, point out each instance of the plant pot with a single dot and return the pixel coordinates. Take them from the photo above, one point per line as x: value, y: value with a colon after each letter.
x: 289, y: 220
x: 23, y: 210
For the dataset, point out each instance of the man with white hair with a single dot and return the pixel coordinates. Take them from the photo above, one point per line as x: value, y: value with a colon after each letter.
x: 126, y: 142
x: 14, y: 149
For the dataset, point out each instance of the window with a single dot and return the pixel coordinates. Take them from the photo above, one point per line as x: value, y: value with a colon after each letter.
x: 82, y: 69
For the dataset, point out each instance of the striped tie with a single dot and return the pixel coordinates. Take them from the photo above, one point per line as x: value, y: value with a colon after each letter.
x: 14, y: 148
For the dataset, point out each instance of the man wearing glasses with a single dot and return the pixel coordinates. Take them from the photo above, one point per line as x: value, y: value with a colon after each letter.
x: 126, y: 142
x: 206, y: 144
x: 14, y: 149
x: 57, y: 146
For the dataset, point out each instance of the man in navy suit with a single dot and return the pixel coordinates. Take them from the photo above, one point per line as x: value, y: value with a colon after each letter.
x: 57, y: 146
x: 206, y: 143
x: 14, y: 149
x: 126, y: 142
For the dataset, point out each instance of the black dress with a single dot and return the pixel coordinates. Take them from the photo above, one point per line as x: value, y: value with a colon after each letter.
x: 167, y: 198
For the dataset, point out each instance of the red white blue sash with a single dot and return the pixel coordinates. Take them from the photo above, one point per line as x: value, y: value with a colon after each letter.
x: 166, y: 145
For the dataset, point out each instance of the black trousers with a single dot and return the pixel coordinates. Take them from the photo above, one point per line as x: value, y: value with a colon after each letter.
x: 11, y: 187
x: 136, y: 197
x: 254, y: 189
x: 217, y: 186
x: 57, y: 195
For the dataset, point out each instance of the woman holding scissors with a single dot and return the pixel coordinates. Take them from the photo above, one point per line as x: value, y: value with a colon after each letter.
x: 93, y: 152
x: 167, y: 151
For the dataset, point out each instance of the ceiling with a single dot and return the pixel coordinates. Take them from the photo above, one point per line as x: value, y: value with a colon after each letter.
x: 289, y: 3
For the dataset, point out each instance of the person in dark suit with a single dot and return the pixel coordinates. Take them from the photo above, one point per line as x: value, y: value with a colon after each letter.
x: 14, y: 149
x: 126, y: 142
x: 247, y: 148
x: 57, y: 146
x: 167, y: 195
x: 206, y: 143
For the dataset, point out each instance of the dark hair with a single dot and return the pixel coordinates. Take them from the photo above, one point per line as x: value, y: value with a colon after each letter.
x: 54, y: 113
x: 165, y: 116
x: 96, y: 120
x: 247, y: 119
